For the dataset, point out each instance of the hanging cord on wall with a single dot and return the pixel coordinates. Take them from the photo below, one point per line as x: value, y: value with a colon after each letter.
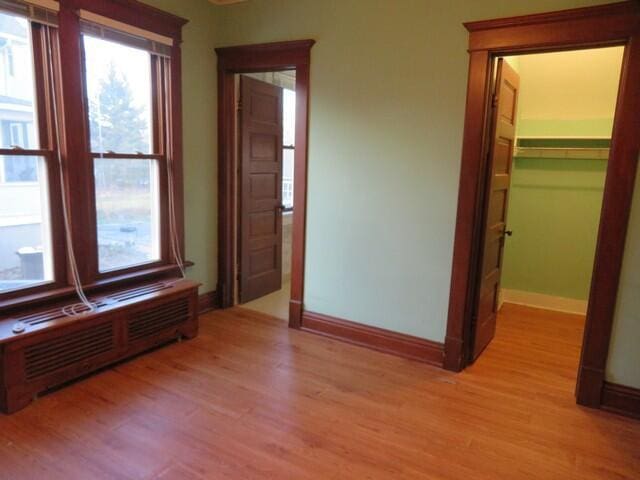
x: 173, y: 229
x: 86, y: 305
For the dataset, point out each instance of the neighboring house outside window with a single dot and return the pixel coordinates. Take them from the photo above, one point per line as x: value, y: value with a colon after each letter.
x: 23, y: 230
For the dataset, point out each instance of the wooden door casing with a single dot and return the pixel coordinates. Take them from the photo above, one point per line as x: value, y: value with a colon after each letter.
x: 260, y: 153
x: 502, y: 135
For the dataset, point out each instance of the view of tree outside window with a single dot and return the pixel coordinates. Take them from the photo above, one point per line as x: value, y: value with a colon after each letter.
x: 288, y: 140
x: 127, y: 197
x: 25, y: 236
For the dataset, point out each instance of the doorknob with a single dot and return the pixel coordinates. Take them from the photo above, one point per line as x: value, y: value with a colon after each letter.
x: 507, y: 233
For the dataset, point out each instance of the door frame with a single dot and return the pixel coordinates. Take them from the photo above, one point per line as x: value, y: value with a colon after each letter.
x: 591, y: 27
x: 265, y: 57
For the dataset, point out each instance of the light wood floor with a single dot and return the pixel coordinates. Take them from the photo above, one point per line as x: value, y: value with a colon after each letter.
x: 251, y: 399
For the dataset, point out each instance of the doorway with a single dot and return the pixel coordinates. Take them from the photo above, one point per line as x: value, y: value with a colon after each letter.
x: 292, y: 56
x: 265, y: 132
x: 592, y: 27
x: 549, y: 135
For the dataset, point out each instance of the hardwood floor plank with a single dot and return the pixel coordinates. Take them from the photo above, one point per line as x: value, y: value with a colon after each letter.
x: 251, y: 399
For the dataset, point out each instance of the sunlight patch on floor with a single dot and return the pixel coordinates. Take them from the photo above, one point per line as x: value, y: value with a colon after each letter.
x: 275, y: 304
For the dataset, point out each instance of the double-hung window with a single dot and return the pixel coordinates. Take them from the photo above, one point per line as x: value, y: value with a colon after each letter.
x: 90, y: 146
x: 31, y: 250
x: 127, y: 163
x: 127, y: 89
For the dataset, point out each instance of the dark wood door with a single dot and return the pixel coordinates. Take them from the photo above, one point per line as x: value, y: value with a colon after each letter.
x: 502, y: 137
x: 260, y: 153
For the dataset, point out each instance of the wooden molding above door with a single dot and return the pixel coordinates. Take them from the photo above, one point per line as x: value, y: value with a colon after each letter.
x: 606, y: 25
x: 294, y: 55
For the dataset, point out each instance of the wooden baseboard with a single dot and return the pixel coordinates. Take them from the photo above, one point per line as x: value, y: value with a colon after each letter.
x: 386, y: 341
x: 621, y: 399
x: 546, y: 302
x: 208, y: 301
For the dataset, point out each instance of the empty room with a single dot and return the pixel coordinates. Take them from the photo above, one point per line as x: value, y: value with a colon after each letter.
x: 274, y: 239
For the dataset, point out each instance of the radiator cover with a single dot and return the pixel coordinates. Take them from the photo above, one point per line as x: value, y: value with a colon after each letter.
x: 56, y: 348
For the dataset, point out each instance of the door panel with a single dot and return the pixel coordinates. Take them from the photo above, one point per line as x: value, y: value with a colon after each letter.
x: 260, y: 153
x: 502, y: 135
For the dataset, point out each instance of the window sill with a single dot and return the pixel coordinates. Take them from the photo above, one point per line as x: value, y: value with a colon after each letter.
x: 58, y: 294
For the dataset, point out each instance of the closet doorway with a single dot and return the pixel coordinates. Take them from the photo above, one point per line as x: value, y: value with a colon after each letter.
x: 550, y: 135
x: 592, y: 27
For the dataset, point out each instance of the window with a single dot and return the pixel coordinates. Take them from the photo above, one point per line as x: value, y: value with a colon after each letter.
x: 119, y: 92
x: 17, y: 169
x: 288, y: 140
x: 118, y: 80
x: 90, y: 193
x: 127, y: 205
x: 26, y: 253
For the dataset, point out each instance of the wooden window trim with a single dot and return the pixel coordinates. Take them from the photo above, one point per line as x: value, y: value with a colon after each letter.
x: 167, y: 127
x: 606, y: 25
x: 74, y: 147
x: 294, y: 55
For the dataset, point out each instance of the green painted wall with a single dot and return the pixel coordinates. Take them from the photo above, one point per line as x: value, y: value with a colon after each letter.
x: 623, y: 366
x: 554, y: 212
x: 387, y: 107
x: 388, y: 87
x: 199, y: 92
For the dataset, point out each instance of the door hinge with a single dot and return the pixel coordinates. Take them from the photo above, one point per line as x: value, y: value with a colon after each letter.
x: 239, y: 106
x: 494, y: 101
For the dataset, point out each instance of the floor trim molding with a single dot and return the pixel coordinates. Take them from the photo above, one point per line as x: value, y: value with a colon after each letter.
x: 621, y: 399
x: 386, y: 341
x: 541, y: 300
x: 208, y: 301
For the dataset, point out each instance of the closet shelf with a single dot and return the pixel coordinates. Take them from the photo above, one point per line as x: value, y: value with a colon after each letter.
x: 563, y: 147
x: 558, y: 152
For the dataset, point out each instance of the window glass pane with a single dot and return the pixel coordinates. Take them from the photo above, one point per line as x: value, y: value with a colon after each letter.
x: 17, y: 97
x: 119, y: 91
x: 289, y: 117
x: 25, y: 230
x: 128, y: 210
x: 287, y: 177
x: 20, y: 169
